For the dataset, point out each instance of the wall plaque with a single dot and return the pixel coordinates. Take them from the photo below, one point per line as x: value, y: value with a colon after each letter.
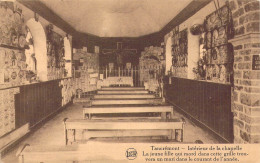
x: 256, y: 62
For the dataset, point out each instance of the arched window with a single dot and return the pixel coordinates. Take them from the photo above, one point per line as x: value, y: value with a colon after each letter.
x: 168, y: 55
x: 39, y: 47
x: 30, y: 53
x: 68, y: 56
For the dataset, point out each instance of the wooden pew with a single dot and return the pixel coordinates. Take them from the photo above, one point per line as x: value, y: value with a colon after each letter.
x: 56, y: 154
x: 92, y: 152
x: 166, y: 111
x: 170, y: 128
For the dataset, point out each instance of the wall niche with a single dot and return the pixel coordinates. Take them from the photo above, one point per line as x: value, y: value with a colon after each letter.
x: 179, y: 53
x: 152, y: 67
x: 55, y: 54
x: 85, y: 69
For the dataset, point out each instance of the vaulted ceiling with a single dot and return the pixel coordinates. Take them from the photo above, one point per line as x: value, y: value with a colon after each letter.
x: 117, y: 18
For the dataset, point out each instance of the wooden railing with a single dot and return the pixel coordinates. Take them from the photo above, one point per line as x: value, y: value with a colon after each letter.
x: 133, y: 72
x: 207, y: 103
x: 137, y: 75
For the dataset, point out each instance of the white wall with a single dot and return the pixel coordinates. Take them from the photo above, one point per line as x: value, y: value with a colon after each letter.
x: 68, y: 56
x: 168, y: 55
x: 42, y: 49
x: 193, y: 40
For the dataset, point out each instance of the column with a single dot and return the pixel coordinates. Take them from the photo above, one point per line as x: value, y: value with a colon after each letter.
x: 246, y: 93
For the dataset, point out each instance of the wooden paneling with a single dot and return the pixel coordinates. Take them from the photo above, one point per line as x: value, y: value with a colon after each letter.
x: 81, y: 39
x: 35, y: 102
x: 207, y: 103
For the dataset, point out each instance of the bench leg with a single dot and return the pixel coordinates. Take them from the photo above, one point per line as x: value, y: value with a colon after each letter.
x: 65, y: 131
x: 74, y: 135
x: 182, y: 138
x: 86, y: 116
x: 21, y: 160
x: 164, y: 115
x: 171, y: 132
x: 182, y: 134
x: 179, y: 135
x: 171, y: 115
x: 66, y: 136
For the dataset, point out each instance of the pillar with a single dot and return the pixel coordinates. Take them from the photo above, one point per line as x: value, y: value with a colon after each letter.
x: 246, y: 93
x: 193, y: 54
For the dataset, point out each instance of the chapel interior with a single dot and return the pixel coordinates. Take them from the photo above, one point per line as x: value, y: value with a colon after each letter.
x: 91, y: 75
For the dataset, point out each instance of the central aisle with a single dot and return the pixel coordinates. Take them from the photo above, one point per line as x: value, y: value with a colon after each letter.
x: 52, y: 132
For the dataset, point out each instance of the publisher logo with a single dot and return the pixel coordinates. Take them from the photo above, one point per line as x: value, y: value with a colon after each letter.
x: 131, y: 153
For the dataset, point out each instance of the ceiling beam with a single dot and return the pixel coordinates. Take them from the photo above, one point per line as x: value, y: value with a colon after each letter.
x: 186, y: 13
x: 49, y: 15
x: 192, y: 8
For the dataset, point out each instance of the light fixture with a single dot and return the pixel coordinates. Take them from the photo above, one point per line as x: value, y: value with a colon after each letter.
x: 197, y: 27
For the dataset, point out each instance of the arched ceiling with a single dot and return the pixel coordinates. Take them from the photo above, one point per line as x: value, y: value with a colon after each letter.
x: 117, y: 18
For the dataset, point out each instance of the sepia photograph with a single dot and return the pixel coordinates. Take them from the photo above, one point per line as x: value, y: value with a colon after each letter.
x: 129, y: 81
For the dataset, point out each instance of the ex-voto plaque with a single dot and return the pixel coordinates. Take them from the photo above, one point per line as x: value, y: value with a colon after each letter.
x: 256, y: 62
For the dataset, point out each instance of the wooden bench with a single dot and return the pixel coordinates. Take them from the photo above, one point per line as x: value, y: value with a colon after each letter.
x: 166, y: 111
x: 170, y: 128
x: 52, y: 154
x: 91, y: 152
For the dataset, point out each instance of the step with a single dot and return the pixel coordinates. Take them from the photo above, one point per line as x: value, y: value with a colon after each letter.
x: 126, y: 101
x: 123, y: 96
x: 122, y: 88
x: 122, y: 92
x: 81, y: 100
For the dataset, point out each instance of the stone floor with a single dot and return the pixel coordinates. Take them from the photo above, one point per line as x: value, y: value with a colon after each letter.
x: 52, y: 132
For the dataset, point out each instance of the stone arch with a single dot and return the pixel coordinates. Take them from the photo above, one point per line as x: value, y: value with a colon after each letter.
x: 31, y: 61
x: 68, y: 55
x: 40, y: 47
x: 168, y: 55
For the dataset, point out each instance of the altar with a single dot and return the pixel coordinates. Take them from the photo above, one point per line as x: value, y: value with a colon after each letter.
x: 116, y: 81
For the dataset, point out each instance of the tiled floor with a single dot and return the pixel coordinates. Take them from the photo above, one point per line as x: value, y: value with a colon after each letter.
x: 52, y: 132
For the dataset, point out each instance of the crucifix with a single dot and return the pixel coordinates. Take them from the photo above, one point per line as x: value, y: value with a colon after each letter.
x: 121, y: 54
